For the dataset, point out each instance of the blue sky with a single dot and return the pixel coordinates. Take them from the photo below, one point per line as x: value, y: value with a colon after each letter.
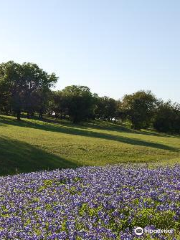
x: 113, y: 46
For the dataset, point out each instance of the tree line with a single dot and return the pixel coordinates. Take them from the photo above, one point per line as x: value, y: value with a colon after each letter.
x: 26, y: 88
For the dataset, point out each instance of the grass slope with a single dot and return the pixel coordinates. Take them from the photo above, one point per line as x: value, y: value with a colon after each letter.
x: 32, y: 145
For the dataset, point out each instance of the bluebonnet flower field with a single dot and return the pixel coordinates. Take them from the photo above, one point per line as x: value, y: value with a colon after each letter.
x: 90, y: 203
x: 89, y: 120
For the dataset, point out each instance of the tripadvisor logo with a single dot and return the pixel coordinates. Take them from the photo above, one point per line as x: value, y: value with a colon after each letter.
x: 139, y: 231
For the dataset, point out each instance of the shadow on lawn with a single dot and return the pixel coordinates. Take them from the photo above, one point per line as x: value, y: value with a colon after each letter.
x: 17, y: 157
x: 83, y: 131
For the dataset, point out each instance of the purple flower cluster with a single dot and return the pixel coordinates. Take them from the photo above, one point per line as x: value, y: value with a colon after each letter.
x: 97, y: 203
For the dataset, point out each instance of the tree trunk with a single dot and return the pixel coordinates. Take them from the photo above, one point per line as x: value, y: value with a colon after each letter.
x: 18, y: 115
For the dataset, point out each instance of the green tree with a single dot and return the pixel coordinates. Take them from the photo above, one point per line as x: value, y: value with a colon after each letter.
x: 139, y: 108
x: 167, y: 117
x: 106, y: 108
x: 39, y: 84
x: 5, y: 106
x: 79, y: 102
x: 12, y: 85
x: 59, y: 104
x: 28, y: 86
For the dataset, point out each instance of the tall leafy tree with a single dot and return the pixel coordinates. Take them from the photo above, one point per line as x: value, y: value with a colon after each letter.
x: 39, y: 84
x: 5, y: 106
x: 11, y: 85
x: 59, y: 104
x: 26, y: 85
x: 139, y: 108
x: 167, y: 118
x: 106, y: 108
x: 80, y: 102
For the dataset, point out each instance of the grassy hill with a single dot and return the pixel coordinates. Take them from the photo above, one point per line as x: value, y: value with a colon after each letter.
x: 32, y: 145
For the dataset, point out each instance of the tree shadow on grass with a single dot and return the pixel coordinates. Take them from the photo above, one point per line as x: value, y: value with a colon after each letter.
x: 18, y: 157
x: 104, y: 125
x: 85, y: 132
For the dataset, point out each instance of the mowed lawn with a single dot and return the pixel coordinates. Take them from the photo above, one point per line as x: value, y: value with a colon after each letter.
x: 32, y: 145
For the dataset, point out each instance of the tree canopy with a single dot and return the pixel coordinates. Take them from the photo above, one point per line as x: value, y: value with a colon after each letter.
x: 140, y: 108
x: 26, y: 88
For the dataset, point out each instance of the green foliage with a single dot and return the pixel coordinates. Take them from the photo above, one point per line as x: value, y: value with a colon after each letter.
x: 32, y: 145
x: 59, y: 105
x: 106, y: 108
x: 79, y: 102
x: 24, y: 87
x: 148, y: 216
x: 140, y: 108
x: 167, y: 117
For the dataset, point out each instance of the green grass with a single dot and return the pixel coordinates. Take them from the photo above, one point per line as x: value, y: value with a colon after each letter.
x: 31, y: 145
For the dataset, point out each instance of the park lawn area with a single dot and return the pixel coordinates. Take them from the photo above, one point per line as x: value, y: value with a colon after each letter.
x: 33, y: 145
